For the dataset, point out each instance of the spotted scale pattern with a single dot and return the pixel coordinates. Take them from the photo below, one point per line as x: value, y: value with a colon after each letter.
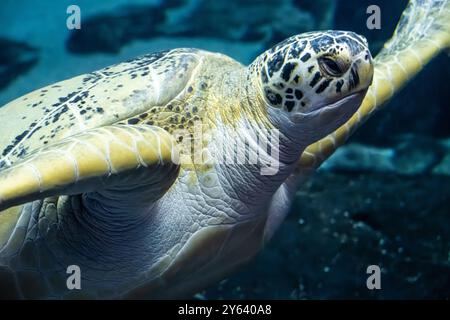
x: 291, y: 78
x: 103, y: 97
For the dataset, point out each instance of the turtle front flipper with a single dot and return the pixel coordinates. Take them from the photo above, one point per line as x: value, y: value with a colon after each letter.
x: 115, y: 167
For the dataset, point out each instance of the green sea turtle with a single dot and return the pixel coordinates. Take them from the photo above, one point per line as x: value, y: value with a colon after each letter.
x: 160, y: 175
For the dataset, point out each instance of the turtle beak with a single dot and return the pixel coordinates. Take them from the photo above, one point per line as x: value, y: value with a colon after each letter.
x: 323, y: 120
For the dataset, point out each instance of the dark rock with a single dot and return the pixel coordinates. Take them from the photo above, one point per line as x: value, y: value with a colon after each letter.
x: 443, y: 167
x: 109, y: 32
x: 416, y: 154
x: 16, y: 58
x: 355, y: 157
x: 342, y: 223
x: 267, y: 22
x: 408, y: 154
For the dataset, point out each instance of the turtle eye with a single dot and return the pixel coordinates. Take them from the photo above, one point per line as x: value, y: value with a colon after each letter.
x: 331, y: 66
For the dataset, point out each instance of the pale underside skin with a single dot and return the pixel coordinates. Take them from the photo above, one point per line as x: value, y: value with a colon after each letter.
x: 181, y: 244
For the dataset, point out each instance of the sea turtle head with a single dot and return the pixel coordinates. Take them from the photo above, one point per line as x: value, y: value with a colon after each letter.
x: 314, y: 81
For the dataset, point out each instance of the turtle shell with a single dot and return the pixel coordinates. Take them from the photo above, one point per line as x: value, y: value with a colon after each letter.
x: 107, y: 96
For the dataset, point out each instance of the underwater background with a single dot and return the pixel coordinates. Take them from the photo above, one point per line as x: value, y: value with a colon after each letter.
x: 383, y: 198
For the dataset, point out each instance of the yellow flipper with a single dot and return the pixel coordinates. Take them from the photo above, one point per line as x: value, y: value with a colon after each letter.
x: 133, y: 163
x: 423, y: 31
